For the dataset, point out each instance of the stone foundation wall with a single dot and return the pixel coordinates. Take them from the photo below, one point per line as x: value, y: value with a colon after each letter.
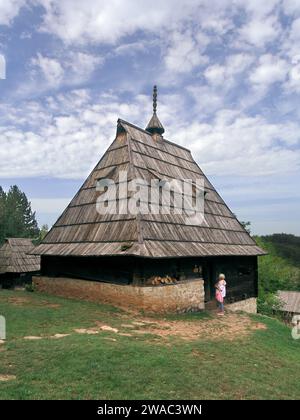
x: 247, y: 305
x: 181, y: 297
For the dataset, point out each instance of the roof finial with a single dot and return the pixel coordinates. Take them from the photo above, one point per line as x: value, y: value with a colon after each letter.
x: 154, y: 125
x: 154, y: 99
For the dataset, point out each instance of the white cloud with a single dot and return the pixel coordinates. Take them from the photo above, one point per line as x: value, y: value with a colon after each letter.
x: 185, y: 52
x: 106, y: 22
x: 82, y: 65
x: 225, y: 74
x: 9, y: 9
x: 61, y: 138
x: 291, y: 7
x: 295, y: 31
x: 270, y: 69
x: 71, y: 69
x: 259, y: 8
x: 207, y: 99
x: 236, y: 144
x: 293, y: 83
x: 130, y: 48
x: 51, y: 69
x: 258, y: 32
x: 2, y: 67
x: 290, y: 43
x: 215, y: 74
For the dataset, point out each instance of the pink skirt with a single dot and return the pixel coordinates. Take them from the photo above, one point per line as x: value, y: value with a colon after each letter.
x: 219, y: 296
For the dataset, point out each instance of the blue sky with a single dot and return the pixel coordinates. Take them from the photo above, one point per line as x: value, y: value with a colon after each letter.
x: 228, y: 74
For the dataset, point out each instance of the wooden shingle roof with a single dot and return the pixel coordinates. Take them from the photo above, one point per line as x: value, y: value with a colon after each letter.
x: 15, y: 257
x: 290, y: 301
x: 81, y: 231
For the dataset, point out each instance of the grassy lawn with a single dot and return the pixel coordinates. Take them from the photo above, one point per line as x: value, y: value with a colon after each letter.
x: 135, y: 362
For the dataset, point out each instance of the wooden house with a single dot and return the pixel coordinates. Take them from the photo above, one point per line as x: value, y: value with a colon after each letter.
x: 289, y: 303
x: 160, y: 262
x: 16, y: 264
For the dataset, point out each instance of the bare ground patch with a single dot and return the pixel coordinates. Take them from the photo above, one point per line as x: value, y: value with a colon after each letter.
x: 19, y: 301
x: 230, y: 327
x: 24, y: 301
x: 6, y: 378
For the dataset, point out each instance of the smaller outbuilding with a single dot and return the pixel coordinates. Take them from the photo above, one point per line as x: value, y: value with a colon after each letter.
x: 16, y: 264
x: 290, y: 303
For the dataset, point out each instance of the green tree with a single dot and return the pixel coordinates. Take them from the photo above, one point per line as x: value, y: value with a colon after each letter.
x: 43, y: 232
x: 247, y: 226
x: 19, y: 219
x: 2, y: 214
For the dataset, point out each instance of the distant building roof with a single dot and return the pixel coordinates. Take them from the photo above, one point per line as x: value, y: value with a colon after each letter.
x: 290, y: 301
x: 14, y: 257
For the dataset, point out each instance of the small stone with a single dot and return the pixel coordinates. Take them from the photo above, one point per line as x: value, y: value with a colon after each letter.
x: 108, y: 328
x: 59, y: 335
x: 86, y: 331
x: 32, y: 337
x: 5, y: 378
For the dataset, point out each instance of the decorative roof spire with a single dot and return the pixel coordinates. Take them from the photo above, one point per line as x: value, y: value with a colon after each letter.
x: 154, y: 125
x: 154, y: 99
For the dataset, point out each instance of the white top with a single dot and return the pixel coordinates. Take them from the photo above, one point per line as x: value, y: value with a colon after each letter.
x: 222, y: 287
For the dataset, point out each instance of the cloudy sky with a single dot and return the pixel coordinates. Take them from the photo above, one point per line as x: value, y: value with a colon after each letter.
x: 228, y: 73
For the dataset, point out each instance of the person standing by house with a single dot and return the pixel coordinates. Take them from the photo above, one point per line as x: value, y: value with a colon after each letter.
x: 221, y: 293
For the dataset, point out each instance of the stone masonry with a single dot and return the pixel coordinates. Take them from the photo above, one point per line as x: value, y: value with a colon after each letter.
x: 247, y: 305
x: 181, y: 297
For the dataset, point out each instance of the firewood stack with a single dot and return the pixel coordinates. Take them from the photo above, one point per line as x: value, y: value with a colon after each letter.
x: 157, y: 280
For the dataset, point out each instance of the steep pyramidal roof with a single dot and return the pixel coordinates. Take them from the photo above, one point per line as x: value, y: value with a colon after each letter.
x: 82, y: 231
x: 15, y: 257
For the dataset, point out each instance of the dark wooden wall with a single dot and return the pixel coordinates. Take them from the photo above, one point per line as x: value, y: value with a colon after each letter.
x: 240, y: 272
x: 113, y: 270
x: 11, y: 280
x: 241, y: 276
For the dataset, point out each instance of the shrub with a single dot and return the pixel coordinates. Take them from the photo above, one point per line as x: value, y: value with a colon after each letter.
x: 29, y: 287
x: 268, y: 304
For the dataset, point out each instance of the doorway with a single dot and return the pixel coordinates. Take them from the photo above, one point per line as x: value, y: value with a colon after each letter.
x: 209, y: 275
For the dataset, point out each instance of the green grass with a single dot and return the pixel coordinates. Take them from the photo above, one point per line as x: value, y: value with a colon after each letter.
x: 263, y: 365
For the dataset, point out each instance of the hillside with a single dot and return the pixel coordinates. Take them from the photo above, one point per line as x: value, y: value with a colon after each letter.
x: 285, y: 246
x: 276, y: 272
x: 58, y: 348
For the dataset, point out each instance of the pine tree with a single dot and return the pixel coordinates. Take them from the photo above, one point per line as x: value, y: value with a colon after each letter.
x: 2, y: 215
x: 19, y: 219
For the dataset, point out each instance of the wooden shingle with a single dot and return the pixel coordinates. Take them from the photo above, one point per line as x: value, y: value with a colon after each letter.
x: 82, y: 231
x: 15, y: 256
